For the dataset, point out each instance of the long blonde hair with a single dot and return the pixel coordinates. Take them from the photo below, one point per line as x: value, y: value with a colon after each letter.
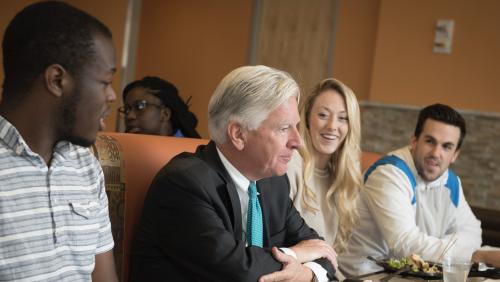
x: 345, y: 169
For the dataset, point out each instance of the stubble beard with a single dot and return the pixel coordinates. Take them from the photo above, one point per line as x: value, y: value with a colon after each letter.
x: 67, y: 123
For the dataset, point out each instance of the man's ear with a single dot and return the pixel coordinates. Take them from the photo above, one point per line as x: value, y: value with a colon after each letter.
x: 237, y: 135
x: 55, y: 77
x: 455, y: 156
x: 413, y: 142
x: 166, y: 114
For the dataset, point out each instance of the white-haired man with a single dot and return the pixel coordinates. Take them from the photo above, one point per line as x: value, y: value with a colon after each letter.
x: 203, y: 219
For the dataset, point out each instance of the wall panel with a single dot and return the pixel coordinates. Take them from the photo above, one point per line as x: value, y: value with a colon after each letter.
x: 297, y: 36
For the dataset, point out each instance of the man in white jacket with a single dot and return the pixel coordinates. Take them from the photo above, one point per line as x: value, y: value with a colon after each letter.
x: 412, y: 202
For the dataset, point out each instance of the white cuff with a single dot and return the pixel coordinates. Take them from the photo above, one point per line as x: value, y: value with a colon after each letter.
x: 289, y: 252
x: 320, y: 274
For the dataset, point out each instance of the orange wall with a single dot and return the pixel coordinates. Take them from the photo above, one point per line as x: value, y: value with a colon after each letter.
x: 193, y: 44
x: 383, y: 48
x: 355, y: 35
x: 406, y: 71
x: 111, y: 12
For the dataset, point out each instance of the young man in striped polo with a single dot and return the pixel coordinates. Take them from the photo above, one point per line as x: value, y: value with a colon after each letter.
x: 54, y: 222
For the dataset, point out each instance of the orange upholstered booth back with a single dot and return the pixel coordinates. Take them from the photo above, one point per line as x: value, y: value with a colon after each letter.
x: 130, y: 162
x: 367, y: 159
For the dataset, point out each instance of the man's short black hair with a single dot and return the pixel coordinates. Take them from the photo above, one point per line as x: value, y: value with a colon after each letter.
x: 43, y: 34
x: 442, y: 113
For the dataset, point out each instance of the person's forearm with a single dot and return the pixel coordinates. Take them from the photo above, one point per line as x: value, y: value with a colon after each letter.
x: 292, y: 269
x: 488, y: 257
x: 104, y: 268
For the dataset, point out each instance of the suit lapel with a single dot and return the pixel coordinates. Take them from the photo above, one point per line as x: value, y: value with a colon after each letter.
x: 210, y: 155
x: 235, y: 203
x: 262, y: 186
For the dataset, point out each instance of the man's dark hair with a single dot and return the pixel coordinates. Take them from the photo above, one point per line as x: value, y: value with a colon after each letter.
x: 442, y: 113
x: 181, y: 117
x: 43, y: 34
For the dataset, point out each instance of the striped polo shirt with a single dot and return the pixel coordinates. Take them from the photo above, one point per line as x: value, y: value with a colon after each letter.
x: 53, y: 220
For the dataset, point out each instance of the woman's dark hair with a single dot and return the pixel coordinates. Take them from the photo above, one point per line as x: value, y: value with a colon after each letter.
x: 182, y: 119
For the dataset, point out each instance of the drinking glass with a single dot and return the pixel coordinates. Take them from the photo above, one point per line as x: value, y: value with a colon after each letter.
x: 455, y: 269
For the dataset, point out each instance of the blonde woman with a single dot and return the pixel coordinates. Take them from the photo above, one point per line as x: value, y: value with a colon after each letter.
x: 325, y: 174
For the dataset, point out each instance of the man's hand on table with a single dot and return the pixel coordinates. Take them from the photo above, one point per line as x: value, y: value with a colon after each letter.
x: 293, y: 270
x: 309, y: 250
x: 489, y: 257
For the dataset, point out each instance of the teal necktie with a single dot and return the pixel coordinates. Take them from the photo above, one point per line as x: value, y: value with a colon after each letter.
x: 255, y: 229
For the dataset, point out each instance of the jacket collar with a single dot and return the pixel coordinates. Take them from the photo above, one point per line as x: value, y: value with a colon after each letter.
x: 209, y: 154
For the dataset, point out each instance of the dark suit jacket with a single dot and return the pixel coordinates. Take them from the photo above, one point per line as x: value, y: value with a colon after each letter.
x: 191, y: 230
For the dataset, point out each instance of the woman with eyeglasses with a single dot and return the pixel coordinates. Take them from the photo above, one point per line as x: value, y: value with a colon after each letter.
x: 153, y: 106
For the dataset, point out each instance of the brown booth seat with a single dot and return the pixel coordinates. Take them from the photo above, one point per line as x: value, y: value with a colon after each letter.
x: 490, y: 224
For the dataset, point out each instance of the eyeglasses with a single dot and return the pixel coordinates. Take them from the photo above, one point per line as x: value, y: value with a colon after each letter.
x: 138, y: 107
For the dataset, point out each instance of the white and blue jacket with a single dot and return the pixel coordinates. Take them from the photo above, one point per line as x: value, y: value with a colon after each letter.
x: 401, y: 214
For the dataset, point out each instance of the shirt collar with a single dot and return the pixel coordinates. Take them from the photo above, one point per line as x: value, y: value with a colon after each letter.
x: 11, y: 137
x: 439, y: 182
x: 178, y: 133
x: 239, y: 179
x: 14, y: 141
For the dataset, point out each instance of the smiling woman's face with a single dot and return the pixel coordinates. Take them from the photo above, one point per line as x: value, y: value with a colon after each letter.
x: 328, y: 123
